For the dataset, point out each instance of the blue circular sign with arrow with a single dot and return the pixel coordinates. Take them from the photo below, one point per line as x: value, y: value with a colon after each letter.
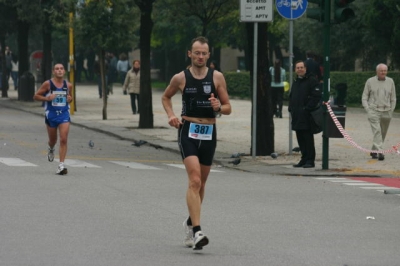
x: 291, y: 9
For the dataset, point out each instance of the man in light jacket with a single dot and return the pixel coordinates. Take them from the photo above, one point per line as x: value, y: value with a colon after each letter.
x: 379, y: 100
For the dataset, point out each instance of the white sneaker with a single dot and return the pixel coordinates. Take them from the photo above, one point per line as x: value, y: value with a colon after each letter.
x: 200, y: 240
x: 61, y: 170
x: 50, y: 154
x: 189, y: 242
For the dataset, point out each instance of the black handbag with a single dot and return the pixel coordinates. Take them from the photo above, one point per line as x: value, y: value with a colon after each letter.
x: 316, y: 121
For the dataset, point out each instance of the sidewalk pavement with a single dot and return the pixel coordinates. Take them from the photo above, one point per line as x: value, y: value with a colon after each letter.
x: 234, y: 135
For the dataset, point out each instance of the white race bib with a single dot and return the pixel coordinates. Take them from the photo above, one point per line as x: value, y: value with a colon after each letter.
x: 60, y: 99
x: 201, y: 131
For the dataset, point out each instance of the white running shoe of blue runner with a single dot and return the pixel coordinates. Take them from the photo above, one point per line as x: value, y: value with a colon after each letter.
x: 50, y: 154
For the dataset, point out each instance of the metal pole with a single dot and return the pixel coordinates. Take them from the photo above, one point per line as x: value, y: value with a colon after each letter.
x: 290, y: 80
x: 72, y: 62
x: 327, y: 32
x: 253, y: 144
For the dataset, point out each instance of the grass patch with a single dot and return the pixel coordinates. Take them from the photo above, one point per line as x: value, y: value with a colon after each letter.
x: 158, y: 85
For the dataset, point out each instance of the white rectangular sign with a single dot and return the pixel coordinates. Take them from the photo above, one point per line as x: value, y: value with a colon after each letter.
x: 256, y: 10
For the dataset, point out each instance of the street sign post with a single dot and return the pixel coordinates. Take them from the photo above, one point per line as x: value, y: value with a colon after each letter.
x: 256, y: 10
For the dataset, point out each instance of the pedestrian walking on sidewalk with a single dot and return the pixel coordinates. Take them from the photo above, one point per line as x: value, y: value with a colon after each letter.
x: 56, y: 95
x: 14, y: 70
x: 278, y: 76
x: 214, y: 65
x: 132, y: 85
x: 8, y: 63
x: 204, y: 97
x: 304, y: 97
x: 379, y: 100
x: 122, y: 67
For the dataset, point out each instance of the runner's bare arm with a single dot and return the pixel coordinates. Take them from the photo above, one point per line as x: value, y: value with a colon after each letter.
x: 220, y: 85
x: 176, y: 84
x: 42, y: 91
x: 69, y: 96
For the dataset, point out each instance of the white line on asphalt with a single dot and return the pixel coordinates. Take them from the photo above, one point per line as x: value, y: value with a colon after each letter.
x: 346, y: 181
x: 330, y: 178
x: 379, y: 187
x: 362, y: 184
x: 78, y: 163
x: 135, y: 165
x: 15, y: 162
x: 182, y: 166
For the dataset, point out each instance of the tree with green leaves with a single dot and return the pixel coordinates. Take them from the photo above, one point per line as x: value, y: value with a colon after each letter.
x: 104, y: 25
x: 179, y: 22
x: 382, y: 21
x: 17, y: 16
x: 7, y: 17
x: 21, y: 17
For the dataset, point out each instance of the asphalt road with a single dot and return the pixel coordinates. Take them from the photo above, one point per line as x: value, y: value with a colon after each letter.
x: 124, y: 205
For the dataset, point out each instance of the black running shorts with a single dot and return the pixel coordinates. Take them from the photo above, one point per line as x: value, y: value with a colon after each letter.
x: 203, y: 149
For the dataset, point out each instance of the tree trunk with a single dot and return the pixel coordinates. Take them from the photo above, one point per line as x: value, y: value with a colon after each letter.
x: 23, y: 57
x: 265, y: 130
x: 4, y: 82
x: 146, y: 119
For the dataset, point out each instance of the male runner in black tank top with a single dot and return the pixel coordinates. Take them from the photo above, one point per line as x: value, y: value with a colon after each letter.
x: 204, y: 97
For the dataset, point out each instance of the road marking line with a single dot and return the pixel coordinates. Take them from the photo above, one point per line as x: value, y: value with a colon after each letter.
x: 347, y: 181
x: 135, y: 165
x: 378, y: 187
x: 330, y: 178
x: 359, y: 183
x: 15, y: 162
x: 182, y: 166
x: 362, y: 184
x: 78, y: 163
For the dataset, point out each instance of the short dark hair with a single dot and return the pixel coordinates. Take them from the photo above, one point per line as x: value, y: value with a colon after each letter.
x: 300, y: 61
x: 199, y: 39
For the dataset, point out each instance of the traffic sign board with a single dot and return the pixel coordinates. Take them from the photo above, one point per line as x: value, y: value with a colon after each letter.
x: 256, y: 10
x: 291, y: 9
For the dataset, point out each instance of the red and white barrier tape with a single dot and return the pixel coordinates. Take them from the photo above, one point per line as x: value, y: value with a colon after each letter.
x: 394, y: 149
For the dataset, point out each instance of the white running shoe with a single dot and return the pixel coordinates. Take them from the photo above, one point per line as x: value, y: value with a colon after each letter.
x: 50, y: 154
x: 200, y: 240
x: 189, y: 242
x: 61, y: 170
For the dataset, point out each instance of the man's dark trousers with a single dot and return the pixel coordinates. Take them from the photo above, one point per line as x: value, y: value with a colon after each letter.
x: 305, y: 138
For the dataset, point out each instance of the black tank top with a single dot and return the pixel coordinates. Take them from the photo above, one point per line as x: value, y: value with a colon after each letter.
x: 195, y: 95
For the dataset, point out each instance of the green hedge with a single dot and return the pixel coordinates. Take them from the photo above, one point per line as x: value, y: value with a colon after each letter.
x: 239, y: 84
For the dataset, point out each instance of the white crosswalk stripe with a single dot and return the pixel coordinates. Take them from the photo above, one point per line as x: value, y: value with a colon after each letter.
x: 357, y: 183
x: 83, y: 164
x: 360, y: 184
x: 78, y: 163
x: 182, y: 166
x: 15, y: 162
x: 135, y: 165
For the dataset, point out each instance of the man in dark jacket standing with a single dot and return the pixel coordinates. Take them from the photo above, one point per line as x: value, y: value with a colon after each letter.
x: 304, y: 97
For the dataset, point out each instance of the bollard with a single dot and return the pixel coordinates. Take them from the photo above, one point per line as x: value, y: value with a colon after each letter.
x: 26, y: 88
